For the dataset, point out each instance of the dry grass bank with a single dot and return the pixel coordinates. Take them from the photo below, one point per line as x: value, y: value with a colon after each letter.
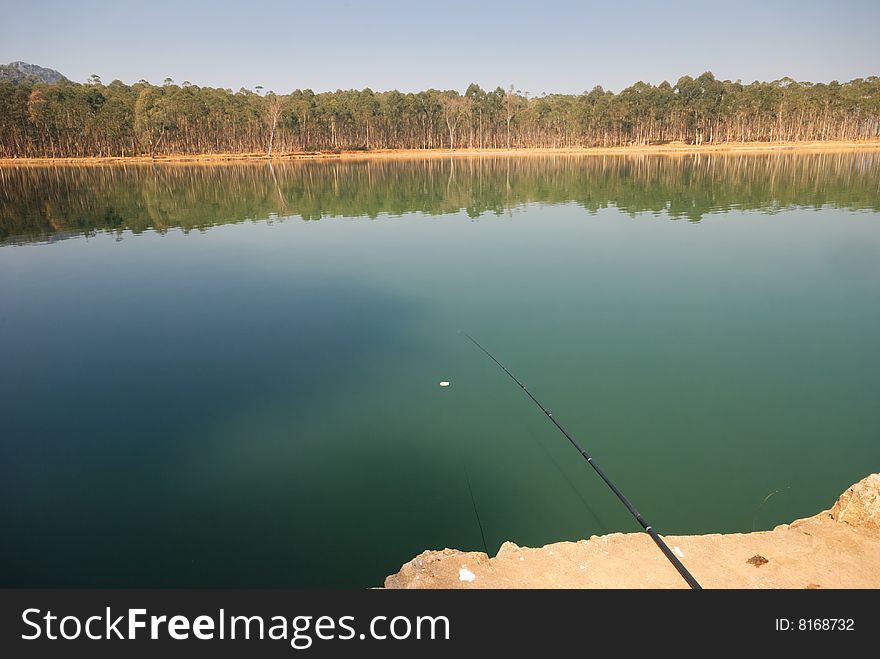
x: 666, y: 149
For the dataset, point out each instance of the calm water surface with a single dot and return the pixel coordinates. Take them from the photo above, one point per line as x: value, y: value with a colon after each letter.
x: 228, y: 376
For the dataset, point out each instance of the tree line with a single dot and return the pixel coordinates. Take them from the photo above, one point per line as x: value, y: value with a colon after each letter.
x: 43, y: 203
x: 93, y: 119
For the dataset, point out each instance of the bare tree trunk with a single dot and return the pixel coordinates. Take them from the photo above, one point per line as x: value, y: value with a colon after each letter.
x: 276, y: 105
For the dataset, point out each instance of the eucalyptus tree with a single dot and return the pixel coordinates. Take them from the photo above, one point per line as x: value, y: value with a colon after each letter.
x: 511, y: 107
x: 455, y: 108
x: 274, y: 108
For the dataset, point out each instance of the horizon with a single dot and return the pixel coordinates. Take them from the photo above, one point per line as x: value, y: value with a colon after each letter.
x: 360, y: 47
x: 260, y: 90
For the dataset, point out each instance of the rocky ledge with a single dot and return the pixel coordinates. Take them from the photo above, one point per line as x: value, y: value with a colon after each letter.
x: 838, y: 548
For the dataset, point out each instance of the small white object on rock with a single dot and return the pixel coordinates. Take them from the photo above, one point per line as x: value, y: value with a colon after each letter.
x: 678, y: 551
x: 466, y: 575
x: 445, y: 383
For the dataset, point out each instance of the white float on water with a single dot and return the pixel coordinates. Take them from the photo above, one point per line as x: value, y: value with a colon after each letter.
x: 444, y: 383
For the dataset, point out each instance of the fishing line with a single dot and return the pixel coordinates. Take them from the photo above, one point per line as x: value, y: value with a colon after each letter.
x: 476, y: 512
x: 766, y: 499
x: 467, y: 479
x: 677, y: 564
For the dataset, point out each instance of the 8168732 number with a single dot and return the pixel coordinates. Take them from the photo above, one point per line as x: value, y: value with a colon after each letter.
x: 815, y: 624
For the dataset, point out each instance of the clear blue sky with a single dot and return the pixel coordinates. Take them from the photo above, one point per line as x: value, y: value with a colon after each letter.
x: 539, y: 46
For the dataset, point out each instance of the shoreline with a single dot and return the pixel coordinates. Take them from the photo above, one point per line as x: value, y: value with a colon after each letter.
x: 837, y: 548
x: 404, y: 154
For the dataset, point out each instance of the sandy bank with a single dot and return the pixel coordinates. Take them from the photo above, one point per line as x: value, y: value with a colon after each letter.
x: 667, y: 149
x: 838, y: 548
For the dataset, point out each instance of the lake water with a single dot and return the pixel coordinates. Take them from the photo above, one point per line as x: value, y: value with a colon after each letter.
x: 228, y: 376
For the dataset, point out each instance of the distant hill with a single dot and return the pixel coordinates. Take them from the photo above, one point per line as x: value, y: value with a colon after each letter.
x: 24, y: 72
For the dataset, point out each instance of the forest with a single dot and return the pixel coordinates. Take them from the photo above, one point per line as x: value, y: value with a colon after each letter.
x: 66, y: 119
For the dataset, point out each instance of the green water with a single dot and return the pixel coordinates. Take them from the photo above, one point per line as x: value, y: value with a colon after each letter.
x: 199, y: 388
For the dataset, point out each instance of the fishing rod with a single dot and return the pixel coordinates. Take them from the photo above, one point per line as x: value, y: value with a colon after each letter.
x: 682, y: 570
